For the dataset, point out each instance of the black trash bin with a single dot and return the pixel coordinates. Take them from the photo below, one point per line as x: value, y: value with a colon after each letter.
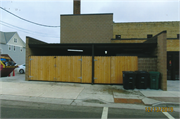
x: 142, y: 79
x: 129, y: 78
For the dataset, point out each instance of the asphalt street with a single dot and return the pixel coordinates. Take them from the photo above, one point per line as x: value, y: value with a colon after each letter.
x: 68, y: 111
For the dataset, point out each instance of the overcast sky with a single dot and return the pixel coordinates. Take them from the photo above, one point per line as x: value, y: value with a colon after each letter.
x: 48, y: 12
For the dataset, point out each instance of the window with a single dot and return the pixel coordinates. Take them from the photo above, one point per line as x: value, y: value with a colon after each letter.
x: 15, y: 40
x: 178, y: 36
x: 118, y: 36
x: 14, y: 48
x: 9, y: 47
x: 21, y: 49
x: 149, y: 36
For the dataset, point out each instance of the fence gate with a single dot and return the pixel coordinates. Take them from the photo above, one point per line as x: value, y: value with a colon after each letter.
x: 102, y: 70
x: 61, y: 68
x: 86, y: 69
x: 108, y: 70
x: 68, y: 68
x: 42, y: 68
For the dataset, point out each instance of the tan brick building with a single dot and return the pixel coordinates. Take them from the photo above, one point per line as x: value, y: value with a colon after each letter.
x: 86, y: 28
x: 138, y: 32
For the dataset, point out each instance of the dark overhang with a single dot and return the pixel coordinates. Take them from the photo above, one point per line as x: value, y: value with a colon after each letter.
x: 112, y: 49
x: 100, y: 45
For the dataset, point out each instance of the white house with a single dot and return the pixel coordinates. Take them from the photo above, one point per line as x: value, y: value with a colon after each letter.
x: 13, y: 45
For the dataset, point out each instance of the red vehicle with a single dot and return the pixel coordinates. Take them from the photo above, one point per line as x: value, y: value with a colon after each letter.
x: 7, y: 65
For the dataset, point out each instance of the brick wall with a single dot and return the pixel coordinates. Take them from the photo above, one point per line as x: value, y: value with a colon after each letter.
x: 147, y: 64
x: 162, y: 58
x: 93, y: 28
x: 172, y: 45
x: 141, y: 29
x: 28, y: 53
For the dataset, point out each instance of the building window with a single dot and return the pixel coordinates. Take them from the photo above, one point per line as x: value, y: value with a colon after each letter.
x: 149, y: 36
x: 15, y: 40
x: 9, y: 47
x: 178, y: 36
x: 118, y: 36
x: 14, y: 48
x: 21, y: 49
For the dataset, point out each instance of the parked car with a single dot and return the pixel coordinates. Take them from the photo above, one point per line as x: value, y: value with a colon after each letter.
x: 21, y: 68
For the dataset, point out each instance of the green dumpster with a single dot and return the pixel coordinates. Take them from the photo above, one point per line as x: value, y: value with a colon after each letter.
x: 154, y: 80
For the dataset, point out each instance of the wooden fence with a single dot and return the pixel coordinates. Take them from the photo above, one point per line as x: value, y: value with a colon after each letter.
x: 107, y: 69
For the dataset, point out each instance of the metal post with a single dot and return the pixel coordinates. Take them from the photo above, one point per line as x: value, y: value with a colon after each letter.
x: 92, y: 64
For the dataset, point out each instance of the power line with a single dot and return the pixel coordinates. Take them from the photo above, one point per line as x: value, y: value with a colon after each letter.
x: 22, y: 28
x: 27, y: 20
x: 25, y: 30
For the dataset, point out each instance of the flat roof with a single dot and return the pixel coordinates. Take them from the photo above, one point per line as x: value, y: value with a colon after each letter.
x: 85, y: 14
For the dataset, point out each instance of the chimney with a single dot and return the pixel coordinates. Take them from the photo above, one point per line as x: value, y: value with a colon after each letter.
x: 77, y: 6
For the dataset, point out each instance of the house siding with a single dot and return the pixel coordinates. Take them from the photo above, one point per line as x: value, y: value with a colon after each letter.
x: 19, y: 41
x: 18, y: 56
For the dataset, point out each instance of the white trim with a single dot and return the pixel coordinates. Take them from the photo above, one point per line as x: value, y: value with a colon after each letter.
x: 15, y: 45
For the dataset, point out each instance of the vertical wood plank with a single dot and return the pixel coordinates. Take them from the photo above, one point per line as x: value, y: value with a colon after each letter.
x: 76, y: 68
x: 102, y: 70
x: 64, y: 67
x: 44, y: 68
x: 96, y: 69
x: 113, y: 69
x: 51, y: 68
x: 71, y: 70
x: 86, y: 69
x: 108, y: 70
x: 34, y: 68
x: 121, y: 67
x: 59, y: 68
x: 39, y: 69
x: 29, y: 68
x: 48, y: 68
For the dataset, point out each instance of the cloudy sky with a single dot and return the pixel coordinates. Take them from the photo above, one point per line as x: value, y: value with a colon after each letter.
x: 47, y: 12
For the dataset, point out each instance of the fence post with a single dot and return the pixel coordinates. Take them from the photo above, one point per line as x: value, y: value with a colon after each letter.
x: 92, y: 64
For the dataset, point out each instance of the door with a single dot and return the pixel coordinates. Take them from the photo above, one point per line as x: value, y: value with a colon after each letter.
x: 86, y: 69
x: 68, y: 68
x: 108, y: 70
x: 102, y: 70
x: 61, y: 68
x: 173, y: 65
x: 42, y: 68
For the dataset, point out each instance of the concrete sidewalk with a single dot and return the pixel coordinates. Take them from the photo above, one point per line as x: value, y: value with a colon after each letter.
x: 16, y: 88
